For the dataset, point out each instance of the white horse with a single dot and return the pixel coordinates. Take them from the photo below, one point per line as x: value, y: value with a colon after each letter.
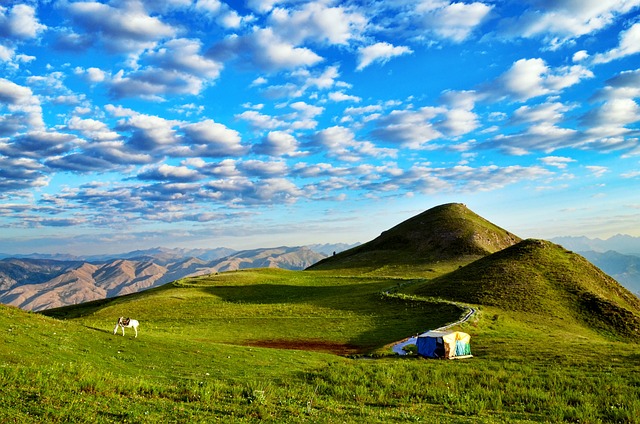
x: 126, y: 322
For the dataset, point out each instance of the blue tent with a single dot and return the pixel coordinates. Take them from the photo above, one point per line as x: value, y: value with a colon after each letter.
x: 444, y: 344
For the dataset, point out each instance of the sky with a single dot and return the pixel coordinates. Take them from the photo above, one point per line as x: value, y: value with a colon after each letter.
x: 130, y: 124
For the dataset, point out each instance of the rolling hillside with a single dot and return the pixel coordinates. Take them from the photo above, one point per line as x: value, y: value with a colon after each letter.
x: 543, y: 278
x: 442, y: 233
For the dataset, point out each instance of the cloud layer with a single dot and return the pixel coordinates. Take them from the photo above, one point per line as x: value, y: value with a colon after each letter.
x: 137, y: 113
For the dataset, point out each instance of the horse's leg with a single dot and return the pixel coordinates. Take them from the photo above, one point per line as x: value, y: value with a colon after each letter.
x: 135, y: 328
x: 123, y: 331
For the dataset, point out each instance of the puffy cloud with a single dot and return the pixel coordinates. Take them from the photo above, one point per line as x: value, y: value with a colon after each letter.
x: 629, y: 44
x: 258, y: 168
x: 20, y: 174
x: 183, y: 55
x: 529, y: 78
x: 379, y: 52
x: 541, y: 136
x: 409, y: 128
x: 625, y: 85
x: 550, y: 112
x: 277, y: 143
x: 563, y: 20
x: 153, y: 83
x: 212, y: 139
x: 125, y: 28
x: 262, y: 6
x: 339, y: 96
x: 149, y: 133
x: 19, y: 22
x: 39, y: 144
x: 560, y: 162
x: 166, y: 172
x: 266, y: 50
x: 340, y: 143
x: 315, y: 21
x: 458, y: 122
x: 453, y: 21
x: 260, y: 121
x: 92, y: 129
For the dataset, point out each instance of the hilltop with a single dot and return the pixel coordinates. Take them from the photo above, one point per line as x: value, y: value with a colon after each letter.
x: 443, y: 233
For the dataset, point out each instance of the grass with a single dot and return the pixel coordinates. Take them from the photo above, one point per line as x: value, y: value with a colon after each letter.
x: 198, y: 358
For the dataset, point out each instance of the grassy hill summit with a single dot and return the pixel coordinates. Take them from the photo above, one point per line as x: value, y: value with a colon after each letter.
x: 443, y: 233
x: 541, y: 277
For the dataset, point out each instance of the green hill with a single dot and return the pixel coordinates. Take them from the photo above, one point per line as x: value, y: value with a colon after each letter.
x: 446, y: 233
x: 540, y: 277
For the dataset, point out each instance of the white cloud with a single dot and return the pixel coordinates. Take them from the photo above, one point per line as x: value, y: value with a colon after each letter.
x: 277, y: 143
x: 259, y: 120
x: 340, y: 143
x: 339, y: 96
x: 529, y: 78
x: 613, y: 113
x: 561, y: 21
x: 266, y: 50
x: 453, y: 21
x: 541, y: 136
x: 413, y: 129
x: 550, y: 112
x: 183, y: 55
x: 457, y: 122
x: 597, y: 171
x: 318, y: 22
x: 262, y: 6
x: 629, y: 44
x: 19, y: 22
x: 126, y: 28
x: 212, y: 139
x: 379, y: 52
x: 580, y: 56
x: 559, y: 162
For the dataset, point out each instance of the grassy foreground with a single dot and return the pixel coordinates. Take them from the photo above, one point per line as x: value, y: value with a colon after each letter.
x: 202, y: 356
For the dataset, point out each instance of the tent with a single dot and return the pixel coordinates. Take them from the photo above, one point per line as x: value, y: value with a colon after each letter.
x: 444, y: 344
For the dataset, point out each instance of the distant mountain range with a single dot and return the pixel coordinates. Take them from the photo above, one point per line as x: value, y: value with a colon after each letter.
x: 618, y: 256
x: 36, y: 282
x: 619, y: 243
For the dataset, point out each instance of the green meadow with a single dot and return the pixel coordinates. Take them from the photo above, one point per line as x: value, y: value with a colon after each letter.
x: 306, y: 346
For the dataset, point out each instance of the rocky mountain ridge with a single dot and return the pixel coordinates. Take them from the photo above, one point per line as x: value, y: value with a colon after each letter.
x: 37, y: 284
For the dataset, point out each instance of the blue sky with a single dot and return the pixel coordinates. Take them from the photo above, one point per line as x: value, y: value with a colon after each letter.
x: 132, y: 124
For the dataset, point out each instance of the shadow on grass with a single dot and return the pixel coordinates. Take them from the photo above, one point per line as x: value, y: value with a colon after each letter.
x: 393, y: 319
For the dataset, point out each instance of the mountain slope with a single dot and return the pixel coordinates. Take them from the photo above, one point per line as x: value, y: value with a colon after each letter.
x: 624, y: 268
x: 42, y: 284
x: 444, y: 232
x: 540, y: 277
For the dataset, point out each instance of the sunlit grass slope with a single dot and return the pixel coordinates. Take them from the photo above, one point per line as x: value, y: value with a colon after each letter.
x: 429, y: 242
x: 196, y: 359
x: 271, y: 308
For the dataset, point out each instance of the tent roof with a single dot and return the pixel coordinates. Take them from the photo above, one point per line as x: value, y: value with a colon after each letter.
x: 435, y: 333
